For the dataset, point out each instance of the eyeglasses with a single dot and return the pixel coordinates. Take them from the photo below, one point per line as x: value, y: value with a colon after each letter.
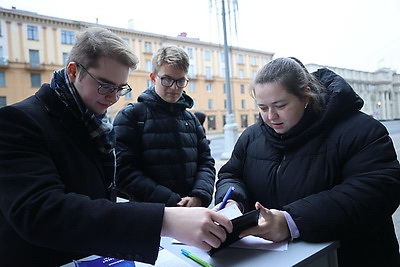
x: 168, y: 82
x: 106, y: 88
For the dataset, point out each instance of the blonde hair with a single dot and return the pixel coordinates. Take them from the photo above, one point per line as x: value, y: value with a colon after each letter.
x: 171, y: 55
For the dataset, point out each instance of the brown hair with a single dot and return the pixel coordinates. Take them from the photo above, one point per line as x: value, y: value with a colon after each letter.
x: 96, y: 42
x: 294, y: 76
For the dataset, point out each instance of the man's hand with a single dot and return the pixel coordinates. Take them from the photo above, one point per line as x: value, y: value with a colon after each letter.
x: 189, y: 202
x: 199, y: 227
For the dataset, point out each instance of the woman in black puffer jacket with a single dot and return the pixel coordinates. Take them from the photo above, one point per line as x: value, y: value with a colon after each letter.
x: 322, y: 169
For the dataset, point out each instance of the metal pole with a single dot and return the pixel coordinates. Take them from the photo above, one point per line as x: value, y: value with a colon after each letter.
x: 230, y: 127
x: 227, y: 72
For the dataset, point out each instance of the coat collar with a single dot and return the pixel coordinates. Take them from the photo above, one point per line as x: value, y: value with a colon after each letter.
x: 72, y: 124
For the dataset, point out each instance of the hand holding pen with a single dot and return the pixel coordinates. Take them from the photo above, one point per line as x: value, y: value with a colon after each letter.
x: 226, y: 197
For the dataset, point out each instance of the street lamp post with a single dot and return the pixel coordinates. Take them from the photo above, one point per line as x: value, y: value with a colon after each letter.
x: 230, y: 127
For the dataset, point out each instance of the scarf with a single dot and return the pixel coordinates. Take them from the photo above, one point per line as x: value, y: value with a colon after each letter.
x: 99, y: 127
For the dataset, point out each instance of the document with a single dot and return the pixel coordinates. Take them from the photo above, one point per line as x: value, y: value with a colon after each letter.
x: 254, y: 242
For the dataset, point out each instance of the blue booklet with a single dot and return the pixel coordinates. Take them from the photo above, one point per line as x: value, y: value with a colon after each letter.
x: 104, y: 261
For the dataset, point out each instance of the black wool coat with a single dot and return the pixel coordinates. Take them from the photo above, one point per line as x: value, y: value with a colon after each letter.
x: 54, y: 196
x: 335, y: 173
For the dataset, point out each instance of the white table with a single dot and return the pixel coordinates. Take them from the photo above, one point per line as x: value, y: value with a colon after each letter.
x: 299, y: 253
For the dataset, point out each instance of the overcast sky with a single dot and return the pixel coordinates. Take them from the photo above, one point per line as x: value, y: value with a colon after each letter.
x: 354, y: 34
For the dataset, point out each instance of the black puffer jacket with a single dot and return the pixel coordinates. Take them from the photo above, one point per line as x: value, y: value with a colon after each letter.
x: 335, y: 173
x: 172, y: 160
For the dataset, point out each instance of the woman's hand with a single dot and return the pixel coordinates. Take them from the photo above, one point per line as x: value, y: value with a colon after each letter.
x: 271, y: 226
x: 228, y: 203
x: 199, y: 227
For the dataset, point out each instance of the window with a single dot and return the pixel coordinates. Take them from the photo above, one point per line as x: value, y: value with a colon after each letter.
x: 257, y: 117
x: 223, y: 72
x: 210, y: 104
x: 223, y: 57
x: 3, y: 60
x: 240, y: 59
x: 207, y: 55
x: 2, y: 79
x: 148, y: 65
x: 254, y: 61
x: 67, y: 37
x: 33, y: 33
x: 243, y: 102
x: 149, y: 83
x: 242, y: 89
x: 209, y: 87
x: 65, y: 58
x: 254, y: 74
x: 190, y: 52
x: 241, y: 74
x: 128, y: 95
x: 243, y: 121
x: 34, y: 58
x: 208, y: 73
x: 225, y: 104
x: 36, y: 80
x: 211, y: 122
x: 192, y: 71
x: 3, y: 101
x: 192, y: 86
x: 147, y: 47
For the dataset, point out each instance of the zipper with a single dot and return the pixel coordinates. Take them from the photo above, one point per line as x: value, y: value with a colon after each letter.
x: 280, y: 164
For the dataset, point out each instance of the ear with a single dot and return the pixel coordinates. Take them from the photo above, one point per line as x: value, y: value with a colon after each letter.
x: 72, y: 71
x: 307, y: 99
x: 152, y: 77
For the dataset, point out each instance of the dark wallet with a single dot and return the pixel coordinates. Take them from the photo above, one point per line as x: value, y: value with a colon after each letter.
x: 240, y: 224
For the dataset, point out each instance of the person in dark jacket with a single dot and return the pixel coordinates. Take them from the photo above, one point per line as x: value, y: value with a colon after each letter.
x: 201, y: 116
x: 170, y: 160
x: 316, y: 167
x: 57, y: 165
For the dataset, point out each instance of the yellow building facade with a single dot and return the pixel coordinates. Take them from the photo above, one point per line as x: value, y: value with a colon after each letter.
x: 33, y: 46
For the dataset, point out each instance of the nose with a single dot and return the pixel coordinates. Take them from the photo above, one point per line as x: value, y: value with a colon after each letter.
x: 113, y: 97
x: 175, y: 85
x: 272, y: 114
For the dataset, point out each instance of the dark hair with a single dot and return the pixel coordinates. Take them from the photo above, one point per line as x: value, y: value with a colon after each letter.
x: 294, y: 76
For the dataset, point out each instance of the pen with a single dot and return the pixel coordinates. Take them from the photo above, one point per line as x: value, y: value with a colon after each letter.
x: 226, y: 197
x: 195, y: 258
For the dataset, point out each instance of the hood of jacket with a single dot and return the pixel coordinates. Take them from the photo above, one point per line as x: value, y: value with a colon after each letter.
x: 338, y: 101
x: 152, y: 99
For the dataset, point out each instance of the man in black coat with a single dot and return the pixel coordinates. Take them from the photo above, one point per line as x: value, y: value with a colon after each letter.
x: 57, y: 165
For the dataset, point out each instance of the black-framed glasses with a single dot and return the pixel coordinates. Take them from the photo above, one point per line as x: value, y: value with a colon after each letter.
x: 106, y: 88
x: 168, y: 82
